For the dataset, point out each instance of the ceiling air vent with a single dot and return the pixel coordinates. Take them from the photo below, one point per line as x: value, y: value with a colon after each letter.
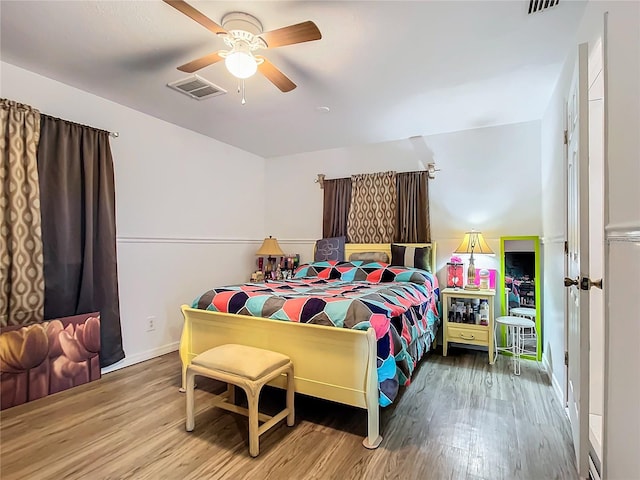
x: 540, y: 5
x: 197, y: 87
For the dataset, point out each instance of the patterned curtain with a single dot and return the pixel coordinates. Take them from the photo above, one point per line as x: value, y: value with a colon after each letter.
x: 21, y: 258
x: 337, y: 200
x: 372, y: 216
x: 413, y: 225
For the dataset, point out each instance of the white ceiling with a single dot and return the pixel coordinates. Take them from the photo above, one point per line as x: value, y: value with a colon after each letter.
x: 387, y: 70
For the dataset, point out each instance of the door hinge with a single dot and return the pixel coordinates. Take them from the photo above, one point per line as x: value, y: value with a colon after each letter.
x: 566, y: 137
x: 566, y: 247
x: 566, y: 359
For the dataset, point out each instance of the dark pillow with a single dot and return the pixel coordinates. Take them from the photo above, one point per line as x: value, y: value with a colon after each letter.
x: 416, y: 257
x: 329, y: 249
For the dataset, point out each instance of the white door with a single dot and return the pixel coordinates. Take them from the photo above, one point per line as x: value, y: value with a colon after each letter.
x: 596, y: 250
x: 578, y: 259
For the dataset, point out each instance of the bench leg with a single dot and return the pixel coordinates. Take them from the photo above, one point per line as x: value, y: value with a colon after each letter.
x: 253, y: 399
x: 231, y: 393
x: 291, y: 417
x: 190, y: 380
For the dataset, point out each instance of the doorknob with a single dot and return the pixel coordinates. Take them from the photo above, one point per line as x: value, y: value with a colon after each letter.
x: 586, y: 283
x: 568, y: 282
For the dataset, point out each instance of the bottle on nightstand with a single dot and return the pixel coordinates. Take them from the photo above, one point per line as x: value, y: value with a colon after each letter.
x: 484, y: 313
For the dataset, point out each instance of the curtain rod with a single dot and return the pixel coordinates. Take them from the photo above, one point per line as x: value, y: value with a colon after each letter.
x: 431, y: 172
x: 111, y: 134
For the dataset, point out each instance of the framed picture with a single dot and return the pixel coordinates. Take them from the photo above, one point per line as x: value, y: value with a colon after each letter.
x: 454, y: 275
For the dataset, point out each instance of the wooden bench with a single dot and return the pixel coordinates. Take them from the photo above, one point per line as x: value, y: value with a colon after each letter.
x: 249, y: 368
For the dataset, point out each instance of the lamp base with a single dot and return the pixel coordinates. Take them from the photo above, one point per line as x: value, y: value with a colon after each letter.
x: 471, y: 287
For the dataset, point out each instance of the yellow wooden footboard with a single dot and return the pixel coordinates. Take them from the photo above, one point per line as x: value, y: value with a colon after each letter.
x: 337, y: 364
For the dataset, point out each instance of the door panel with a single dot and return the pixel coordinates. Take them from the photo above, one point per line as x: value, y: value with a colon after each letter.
x: 578, y: 259
x: 596, y: 249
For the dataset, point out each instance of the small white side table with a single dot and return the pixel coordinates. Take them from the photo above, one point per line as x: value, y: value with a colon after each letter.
x: 515, y: 337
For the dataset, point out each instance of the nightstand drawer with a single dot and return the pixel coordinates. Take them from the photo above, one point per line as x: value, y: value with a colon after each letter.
x: 467, y: 334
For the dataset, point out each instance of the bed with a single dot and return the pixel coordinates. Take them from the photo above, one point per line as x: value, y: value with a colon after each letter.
x: 347, y: 365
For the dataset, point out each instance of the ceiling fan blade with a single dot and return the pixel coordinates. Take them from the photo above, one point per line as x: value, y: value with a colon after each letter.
x: 275, y: 76
x: 299, y: 33
x: 194, y: 14
x: 201, y: 62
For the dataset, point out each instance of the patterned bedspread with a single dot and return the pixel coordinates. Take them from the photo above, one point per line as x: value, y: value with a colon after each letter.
x: 399, y: 303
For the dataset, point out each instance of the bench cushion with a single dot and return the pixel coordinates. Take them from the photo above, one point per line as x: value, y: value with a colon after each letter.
x: 241, y: 360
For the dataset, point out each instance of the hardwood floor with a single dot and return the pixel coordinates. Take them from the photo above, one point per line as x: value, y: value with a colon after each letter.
x: 460, y: 419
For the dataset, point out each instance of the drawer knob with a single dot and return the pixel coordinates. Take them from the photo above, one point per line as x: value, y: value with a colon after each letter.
x: 471, y: 337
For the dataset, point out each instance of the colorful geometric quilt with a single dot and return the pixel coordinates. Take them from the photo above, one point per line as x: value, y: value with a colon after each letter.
x: 399, y: 303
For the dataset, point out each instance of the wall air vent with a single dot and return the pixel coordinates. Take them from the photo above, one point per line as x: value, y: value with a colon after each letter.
x: 197, y: 87
x: 540, y: 5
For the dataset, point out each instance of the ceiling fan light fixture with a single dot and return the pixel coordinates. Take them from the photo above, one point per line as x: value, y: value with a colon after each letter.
x: 241, y: 64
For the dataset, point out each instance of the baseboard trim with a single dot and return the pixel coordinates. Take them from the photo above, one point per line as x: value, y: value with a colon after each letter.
x: 141, y: 357
x: 557, y: 389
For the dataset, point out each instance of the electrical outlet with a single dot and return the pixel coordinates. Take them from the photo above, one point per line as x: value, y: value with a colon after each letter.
x: 151, y: 324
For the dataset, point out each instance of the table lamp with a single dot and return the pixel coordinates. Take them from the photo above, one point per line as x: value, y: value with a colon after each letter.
x: 473, y: 242
x: 269, y: 247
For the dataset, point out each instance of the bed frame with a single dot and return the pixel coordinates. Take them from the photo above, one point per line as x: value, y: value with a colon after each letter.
x: 319, y: 353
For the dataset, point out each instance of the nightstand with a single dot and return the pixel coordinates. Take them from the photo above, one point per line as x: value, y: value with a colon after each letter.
x: 467, y: 333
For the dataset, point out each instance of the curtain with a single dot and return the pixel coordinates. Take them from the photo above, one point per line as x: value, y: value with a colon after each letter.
x: 79, y: 229
x: 21, y: 259
x: 413, y: 225
x: 337, y: 200
x: 373, y: 208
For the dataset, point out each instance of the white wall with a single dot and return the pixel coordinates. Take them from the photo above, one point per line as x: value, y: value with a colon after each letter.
x: 554, y: 231
x: 622, y: 224
x: 490, y: 181
x: 189, y: 211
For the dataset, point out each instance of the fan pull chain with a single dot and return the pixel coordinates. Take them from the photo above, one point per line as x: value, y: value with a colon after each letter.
x: 243, y: 100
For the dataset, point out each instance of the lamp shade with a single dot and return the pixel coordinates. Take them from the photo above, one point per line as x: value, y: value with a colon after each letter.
x: 269, y: 247
x: 473, y: 242
x: 241, y: 63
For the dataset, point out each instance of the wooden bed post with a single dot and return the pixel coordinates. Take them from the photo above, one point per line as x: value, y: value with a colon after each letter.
x: 373, y: 438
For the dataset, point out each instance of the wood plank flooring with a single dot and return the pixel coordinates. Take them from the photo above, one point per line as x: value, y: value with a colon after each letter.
x: 459, y: 419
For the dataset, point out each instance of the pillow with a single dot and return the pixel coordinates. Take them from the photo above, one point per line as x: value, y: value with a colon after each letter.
x: 383, y: 273
x: 329, y: 249
x: 358, y: 271
x: 416, y: 257
x: 367, y: 257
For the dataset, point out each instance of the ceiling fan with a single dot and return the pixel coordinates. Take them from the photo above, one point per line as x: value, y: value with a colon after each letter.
x: 243, y: 34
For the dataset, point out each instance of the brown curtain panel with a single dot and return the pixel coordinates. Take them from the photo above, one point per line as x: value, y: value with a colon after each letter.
x: 372, y: 216
x: 21, y: 264
x: 413, y: 225
x: 79, y: 228
x: 335, y: 213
